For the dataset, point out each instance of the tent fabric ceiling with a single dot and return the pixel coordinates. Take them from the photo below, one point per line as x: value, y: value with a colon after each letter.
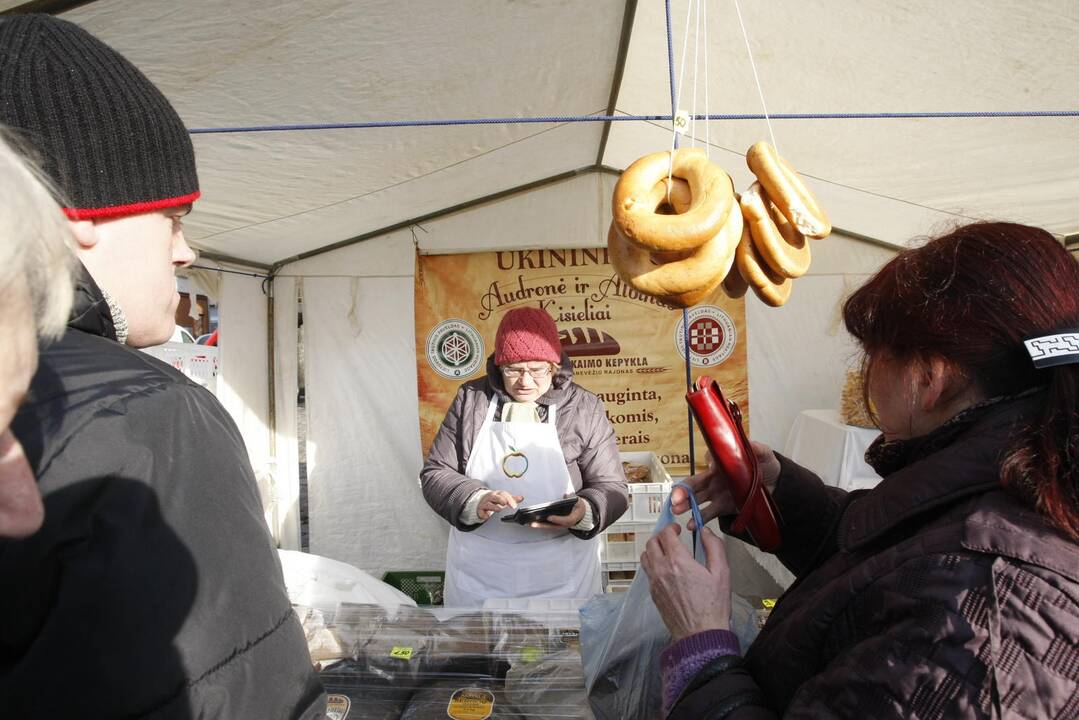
x: 271, y: 196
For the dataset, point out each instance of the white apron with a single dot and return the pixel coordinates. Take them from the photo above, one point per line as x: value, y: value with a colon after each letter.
x: 507, y: 560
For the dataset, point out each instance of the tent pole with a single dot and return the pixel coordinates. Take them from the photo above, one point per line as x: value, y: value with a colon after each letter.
x: 49, y: 7
x: 685, y: 312
x: 271, y: 407
x: 619, y: 69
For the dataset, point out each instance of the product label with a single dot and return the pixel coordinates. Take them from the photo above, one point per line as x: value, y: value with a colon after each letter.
x: 337, y: 707
x: 401, y: 653
x: 531, y: 654
x: 681, y: 122
x: 471, y: 704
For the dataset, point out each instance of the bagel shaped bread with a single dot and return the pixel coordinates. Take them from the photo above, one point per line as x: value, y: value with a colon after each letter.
x: 712, y: 197
x: 667, y: 276
x: 777, y: 241
x: 734, y: 284
x: 771, y: 287
x: 688, y: 299
x: 788, y: 191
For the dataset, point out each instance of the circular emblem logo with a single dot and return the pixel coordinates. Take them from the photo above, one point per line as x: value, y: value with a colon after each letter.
x: 514, y: 463
x: 455, y: 349
x: 712, y: 336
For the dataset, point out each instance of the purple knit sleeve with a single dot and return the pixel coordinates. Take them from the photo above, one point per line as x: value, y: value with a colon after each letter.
x: 685, y: 658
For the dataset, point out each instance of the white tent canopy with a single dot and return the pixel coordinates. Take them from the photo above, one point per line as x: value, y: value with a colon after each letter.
x: 271, y: 196
x: 359, y: 198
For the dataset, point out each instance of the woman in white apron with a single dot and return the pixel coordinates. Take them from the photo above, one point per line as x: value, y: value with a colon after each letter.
x: 525, y: 434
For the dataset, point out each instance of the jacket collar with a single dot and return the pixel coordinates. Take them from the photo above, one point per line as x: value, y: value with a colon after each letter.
x: 965, y: 464
x: 554, y: 396
x: 90, y: 311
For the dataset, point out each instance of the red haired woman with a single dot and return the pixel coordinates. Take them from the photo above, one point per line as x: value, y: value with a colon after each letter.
x: 952, y: 588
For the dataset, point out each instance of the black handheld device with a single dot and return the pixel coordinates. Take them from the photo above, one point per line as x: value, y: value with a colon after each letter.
x: 539, y: 513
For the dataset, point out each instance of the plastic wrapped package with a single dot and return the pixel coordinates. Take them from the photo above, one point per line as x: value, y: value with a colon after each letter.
x: 462, y: 699
x: 468, y: 634
x: 413, y: 665
x: 390, y: 665
x: 515, y: 635
x: 338, y: 632
x: 322, y: 640
x: 548, y: 686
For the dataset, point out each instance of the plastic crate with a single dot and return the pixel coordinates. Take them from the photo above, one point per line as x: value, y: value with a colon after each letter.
x: 646, y: 499
x: 617, y: 576
x: 198, y: 362
x: 423, y: 586
x: 624, y: 542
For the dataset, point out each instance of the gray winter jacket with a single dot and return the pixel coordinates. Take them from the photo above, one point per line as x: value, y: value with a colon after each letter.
x: 586, y: 436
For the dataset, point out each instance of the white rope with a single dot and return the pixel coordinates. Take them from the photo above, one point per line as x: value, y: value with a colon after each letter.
x: 682, y: 68
x: 760, y: 91
x: 678, y: 98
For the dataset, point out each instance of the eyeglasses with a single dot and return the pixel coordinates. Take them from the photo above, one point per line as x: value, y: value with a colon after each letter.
x: 514, y: 373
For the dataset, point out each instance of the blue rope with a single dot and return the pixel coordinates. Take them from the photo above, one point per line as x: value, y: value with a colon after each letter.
x: 670, y: 68
x: 562, y: 119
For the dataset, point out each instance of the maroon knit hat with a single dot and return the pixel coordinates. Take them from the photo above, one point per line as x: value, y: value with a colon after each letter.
x: 527, y: 334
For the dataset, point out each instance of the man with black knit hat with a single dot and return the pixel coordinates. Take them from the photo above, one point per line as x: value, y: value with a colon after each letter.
x: 152, y: 588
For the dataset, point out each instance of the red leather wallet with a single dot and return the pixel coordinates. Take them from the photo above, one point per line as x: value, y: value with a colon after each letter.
x: 720, y: 422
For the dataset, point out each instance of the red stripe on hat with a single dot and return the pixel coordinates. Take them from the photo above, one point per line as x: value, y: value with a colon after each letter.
x: 133, y: 209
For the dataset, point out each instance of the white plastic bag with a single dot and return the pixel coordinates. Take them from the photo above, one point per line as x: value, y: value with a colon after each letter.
x: 621, y: 639
x: 317, y: 581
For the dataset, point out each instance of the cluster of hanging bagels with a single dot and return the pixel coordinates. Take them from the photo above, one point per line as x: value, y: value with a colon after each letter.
x: 679, y: 229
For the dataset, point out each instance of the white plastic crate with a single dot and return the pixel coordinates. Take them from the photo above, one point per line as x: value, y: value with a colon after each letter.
x: 621, y: 545
x: 198, y: 362
x: 624, y: 542
x: 646, y: 499
x: 658, y: 473
x: 617, y: 576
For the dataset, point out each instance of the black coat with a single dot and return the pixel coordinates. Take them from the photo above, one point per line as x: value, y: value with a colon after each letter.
x: 153, y: 588
x: 935, y: 595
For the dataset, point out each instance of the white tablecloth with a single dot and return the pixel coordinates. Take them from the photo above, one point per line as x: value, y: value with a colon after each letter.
x: 821, y: 442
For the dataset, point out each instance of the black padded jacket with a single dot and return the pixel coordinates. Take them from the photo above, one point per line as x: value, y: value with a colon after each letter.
x: 153, y: 588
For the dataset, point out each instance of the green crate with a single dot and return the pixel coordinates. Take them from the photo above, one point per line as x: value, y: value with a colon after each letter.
x: 423, y: 586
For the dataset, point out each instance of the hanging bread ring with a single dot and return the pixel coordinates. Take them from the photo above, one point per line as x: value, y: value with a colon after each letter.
x: 787, y: 191
x: 771, y: 287
x: 665, y: 275
x: 671, y: 197
x: 777, y: 241
x: 687, y: 299
x: 734, y: 284
x: 634, y: 211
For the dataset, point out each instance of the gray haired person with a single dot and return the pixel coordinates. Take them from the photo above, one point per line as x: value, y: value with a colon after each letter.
x: 35, y: 296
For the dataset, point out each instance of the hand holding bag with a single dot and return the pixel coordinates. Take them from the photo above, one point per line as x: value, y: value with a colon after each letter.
x: 622, y: 636
x: 720, y: 422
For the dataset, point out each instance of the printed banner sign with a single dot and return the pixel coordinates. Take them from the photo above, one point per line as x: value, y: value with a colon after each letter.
x: 626, y: 347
